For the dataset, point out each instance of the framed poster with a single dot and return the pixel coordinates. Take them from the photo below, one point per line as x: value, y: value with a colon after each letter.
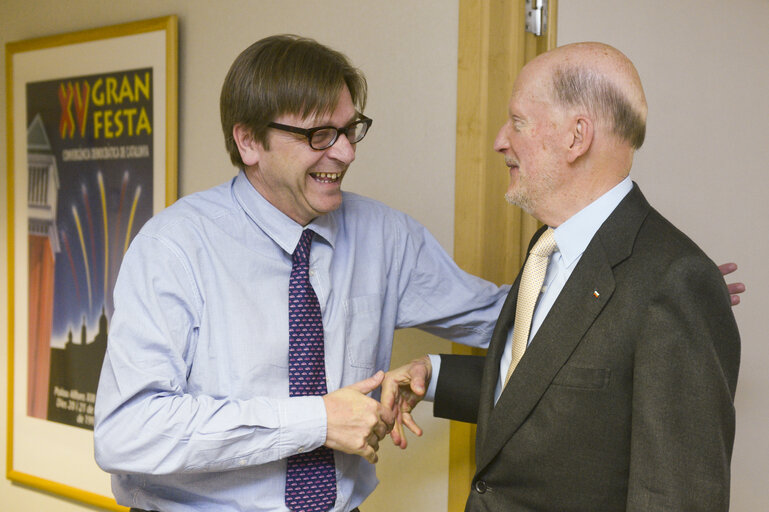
x: 92, y: 155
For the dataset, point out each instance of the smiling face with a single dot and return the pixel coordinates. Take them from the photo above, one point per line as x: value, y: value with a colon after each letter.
x: 529, y: 142
x: 301, y: 182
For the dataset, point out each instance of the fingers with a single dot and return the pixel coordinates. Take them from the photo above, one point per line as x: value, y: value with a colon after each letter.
x: 383, y: 426
x: 355, y: 422
x: 397, y: 436
x: 402, y: 389
x: 734, y: 288
x: 370, y: 455
x: 389, y: 391
x: 366, y: 386
x: 727, y: 268
x: 408, y: 420
x: 420, y: 375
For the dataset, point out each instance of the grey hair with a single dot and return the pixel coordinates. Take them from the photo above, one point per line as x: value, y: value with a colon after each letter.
x: 574, y: 86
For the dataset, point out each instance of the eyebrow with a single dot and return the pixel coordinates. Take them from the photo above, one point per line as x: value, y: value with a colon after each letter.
x: 356, y: 116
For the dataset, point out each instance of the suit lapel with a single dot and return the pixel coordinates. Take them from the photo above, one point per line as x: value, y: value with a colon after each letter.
x: 571, y: 316
x: 493, y: 356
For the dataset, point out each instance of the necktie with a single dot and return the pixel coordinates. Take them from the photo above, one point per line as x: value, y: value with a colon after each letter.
x: 310, y: 476
x: 528, y: 292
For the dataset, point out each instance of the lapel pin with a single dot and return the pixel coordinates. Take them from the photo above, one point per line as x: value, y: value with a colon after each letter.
x: 596, y: 294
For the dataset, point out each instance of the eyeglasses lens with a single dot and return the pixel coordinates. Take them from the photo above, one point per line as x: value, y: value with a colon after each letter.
x: 326, y: 137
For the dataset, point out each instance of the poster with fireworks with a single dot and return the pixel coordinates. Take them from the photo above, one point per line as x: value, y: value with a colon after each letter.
x: 89, y: 153
x: 92, y: 156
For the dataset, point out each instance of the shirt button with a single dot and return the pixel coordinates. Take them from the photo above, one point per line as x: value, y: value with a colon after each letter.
x: 311, y: 272
x: 300, y: 449
x: 480, y: 486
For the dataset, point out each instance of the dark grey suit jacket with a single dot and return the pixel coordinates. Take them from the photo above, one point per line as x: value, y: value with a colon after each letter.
x: 624, y: 400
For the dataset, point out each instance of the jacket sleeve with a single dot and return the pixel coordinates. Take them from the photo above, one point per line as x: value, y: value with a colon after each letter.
x: 458, y: 390
x: 684, y: 380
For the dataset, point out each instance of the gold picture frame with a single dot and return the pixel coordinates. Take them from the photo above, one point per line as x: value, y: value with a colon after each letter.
x: 92, y: 154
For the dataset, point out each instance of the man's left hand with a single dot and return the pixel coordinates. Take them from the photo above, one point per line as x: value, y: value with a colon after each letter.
x: 735, y: 289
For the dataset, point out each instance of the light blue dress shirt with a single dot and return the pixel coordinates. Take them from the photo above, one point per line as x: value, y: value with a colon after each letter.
x: 572, y: 237
x: 192, y: 411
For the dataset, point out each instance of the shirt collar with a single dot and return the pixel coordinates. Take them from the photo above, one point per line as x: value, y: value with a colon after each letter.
x: 283, y: 230
x: 575, y: 234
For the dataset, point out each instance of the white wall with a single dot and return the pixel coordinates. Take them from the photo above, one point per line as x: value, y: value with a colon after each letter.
x: 408, y: 51
x: 705, y: 69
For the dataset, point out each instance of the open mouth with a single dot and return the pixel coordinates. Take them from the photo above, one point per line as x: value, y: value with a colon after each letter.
x: 326, y: 177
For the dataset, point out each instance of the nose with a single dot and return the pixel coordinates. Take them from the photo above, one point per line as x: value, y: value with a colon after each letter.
x: 501, y: 143
x: 342, y: 150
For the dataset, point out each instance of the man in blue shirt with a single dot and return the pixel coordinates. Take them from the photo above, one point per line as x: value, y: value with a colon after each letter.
x: 193, y: 410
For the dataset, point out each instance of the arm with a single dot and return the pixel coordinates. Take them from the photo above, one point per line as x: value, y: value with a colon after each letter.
x: 458, y: 392
x: 685, y: 374
x: 437, y: 296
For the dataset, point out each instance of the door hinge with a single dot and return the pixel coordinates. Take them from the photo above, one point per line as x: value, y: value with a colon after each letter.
x: 536, y: 16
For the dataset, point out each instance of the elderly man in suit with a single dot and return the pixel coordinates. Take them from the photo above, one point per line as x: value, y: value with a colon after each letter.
x: 611, y: 386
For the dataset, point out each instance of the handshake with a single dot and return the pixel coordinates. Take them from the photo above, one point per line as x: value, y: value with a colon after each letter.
x: 356, y: 423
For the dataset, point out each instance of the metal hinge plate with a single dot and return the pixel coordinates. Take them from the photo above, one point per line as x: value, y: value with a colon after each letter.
x: 536, y: 16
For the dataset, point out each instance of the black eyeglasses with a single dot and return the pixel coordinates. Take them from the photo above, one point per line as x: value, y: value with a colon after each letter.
x: 323, y: 137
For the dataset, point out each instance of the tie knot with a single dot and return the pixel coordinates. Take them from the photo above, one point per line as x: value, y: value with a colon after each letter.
x: 302, y: 252
x: 545, y: 244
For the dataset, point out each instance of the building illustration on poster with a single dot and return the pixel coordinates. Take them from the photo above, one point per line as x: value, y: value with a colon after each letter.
x: 90, y: 171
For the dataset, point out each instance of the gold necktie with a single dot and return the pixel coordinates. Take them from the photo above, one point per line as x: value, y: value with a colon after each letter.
x: 531, y: 285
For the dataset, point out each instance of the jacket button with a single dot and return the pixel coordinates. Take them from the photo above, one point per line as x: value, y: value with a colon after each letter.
x: 480, y: 486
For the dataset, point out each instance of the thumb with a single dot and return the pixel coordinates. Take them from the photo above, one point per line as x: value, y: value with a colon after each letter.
x: 419, y: 379
x: 366, y: 386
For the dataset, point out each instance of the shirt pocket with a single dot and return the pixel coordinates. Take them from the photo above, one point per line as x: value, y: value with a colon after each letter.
x: 363, y: 316
x: 582, y: 378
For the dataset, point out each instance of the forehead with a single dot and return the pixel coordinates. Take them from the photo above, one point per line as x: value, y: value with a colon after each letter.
x: 339, y: 115
x: 531, y: 89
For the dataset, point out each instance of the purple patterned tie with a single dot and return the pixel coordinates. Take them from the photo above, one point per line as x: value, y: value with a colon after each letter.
x: 310, y: 476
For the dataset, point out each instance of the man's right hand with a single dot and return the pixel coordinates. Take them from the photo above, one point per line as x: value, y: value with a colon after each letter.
x: 356, y: 422
x: 402, y: 390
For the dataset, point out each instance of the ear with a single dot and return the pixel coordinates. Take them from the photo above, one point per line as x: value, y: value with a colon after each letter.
x: 581, y: 137
x: 250, y: 150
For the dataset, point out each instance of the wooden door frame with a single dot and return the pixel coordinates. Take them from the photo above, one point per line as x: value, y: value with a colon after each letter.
x: 490, y: 236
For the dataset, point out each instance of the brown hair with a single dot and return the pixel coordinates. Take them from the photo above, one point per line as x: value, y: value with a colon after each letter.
x: 284, y: 74
x: 578, y: 86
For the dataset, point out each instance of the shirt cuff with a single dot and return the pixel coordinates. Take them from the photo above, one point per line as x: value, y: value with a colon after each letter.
x: 435, y: 362
x: 303, y: 424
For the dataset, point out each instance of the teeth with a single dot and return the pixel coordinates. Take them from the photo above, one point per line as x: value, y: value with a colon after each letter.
x: 327, y: 176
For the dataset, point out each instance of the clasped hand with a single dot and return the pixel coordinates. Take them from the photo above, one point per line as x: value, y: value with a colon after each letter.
x: 356, y: 422
x: 402, y: 389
